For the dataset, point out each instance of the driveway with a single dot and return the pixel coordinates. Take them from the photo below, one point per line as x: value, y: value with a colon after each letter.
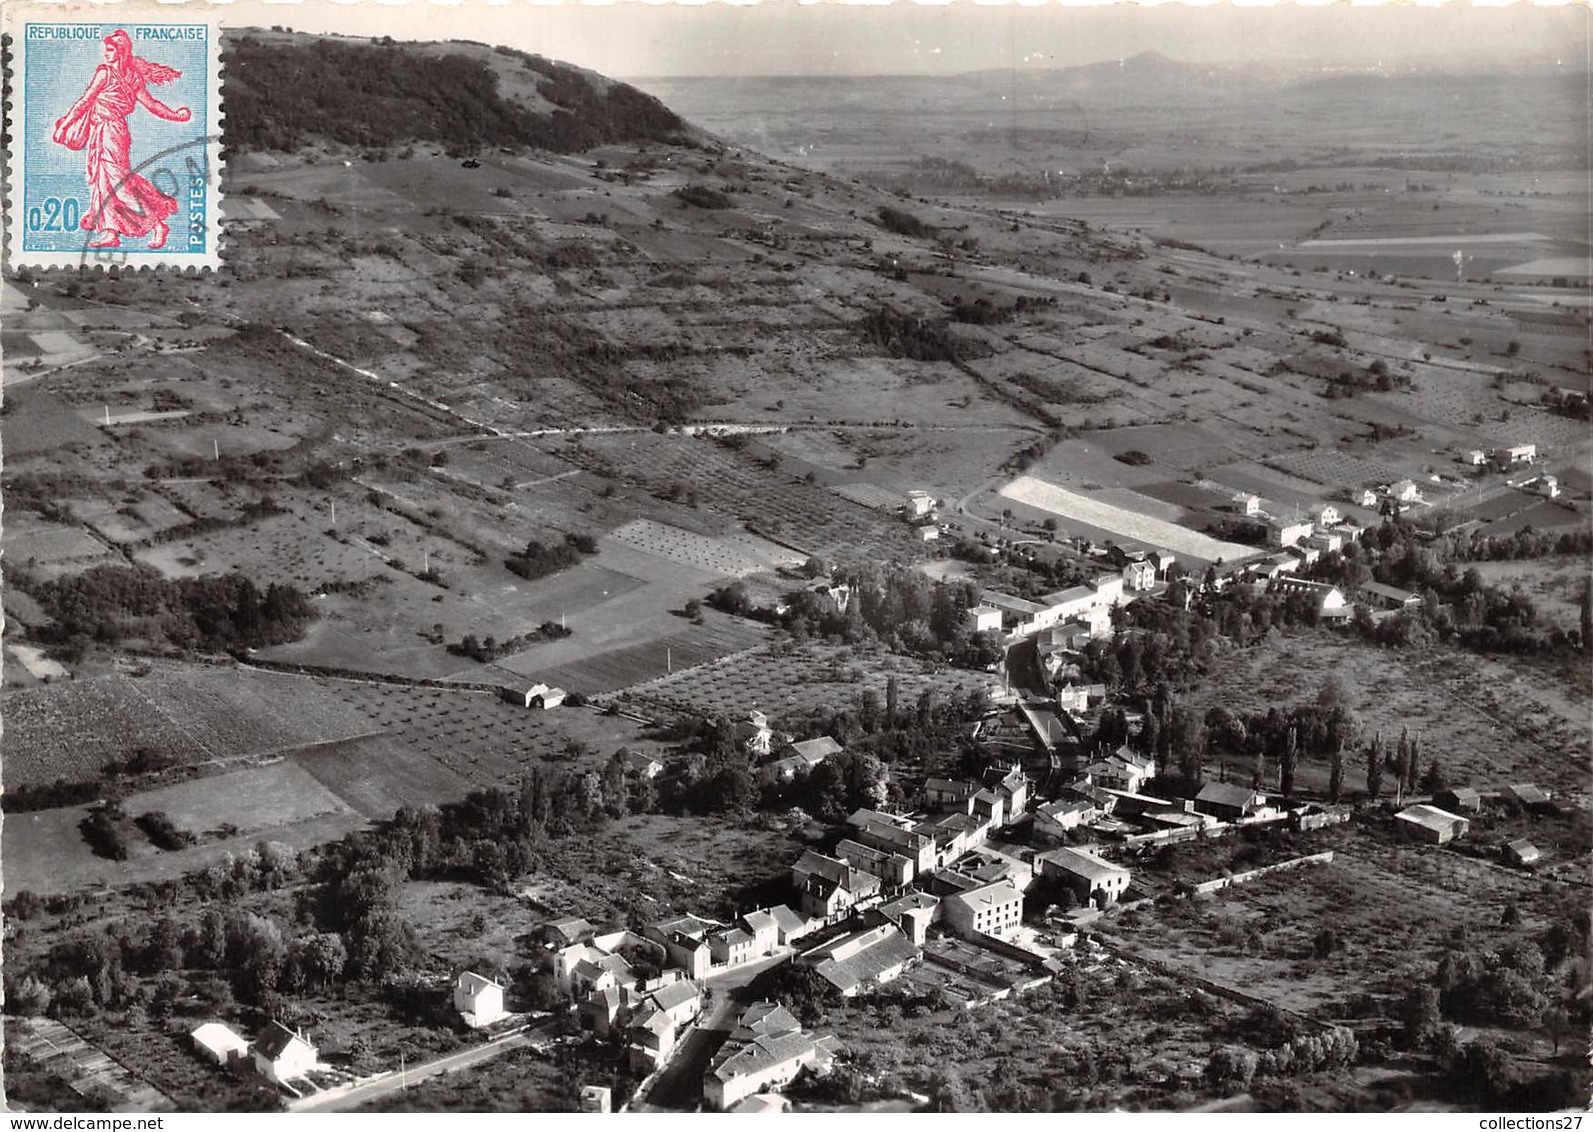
x: 349, y: 1097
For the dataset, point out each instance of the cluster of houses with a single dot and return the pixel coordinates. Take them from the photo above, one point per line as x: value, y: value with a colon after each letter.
x: 647, y: 988
x: 1081, y: 611
x: 280, y: 1055
x: 1444, y: 818
x: 1503, y: 458
x: 765, y: 1051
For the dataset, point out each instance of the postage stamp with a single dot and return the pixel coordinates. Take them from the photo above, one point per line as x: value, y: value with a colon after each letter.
x: 116, y: 143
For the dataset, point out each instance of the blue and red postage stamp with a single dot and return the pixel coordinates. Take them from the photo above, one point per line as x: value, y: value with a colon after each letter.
x: 115, y: 131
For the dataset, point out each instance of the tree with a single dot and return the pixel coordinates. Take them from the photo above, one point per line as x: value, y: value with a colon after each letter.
x: 1557, y: 1025
x: 1289, y: 760
x: 1374, y: 767
x: 1413, y: 764
x: 892, y: 695
x: 1434, y: 779
x: 1189, y: 743
x: 948, y: 1092
x: 1336, y: 773
x: 1420, y: 1015
x: 30, y: 997
x: 1230, y: 1068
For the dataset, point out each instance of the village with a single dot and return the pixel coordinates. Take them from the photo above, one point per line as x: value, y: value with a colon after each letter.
x: 967, y: 890
x: 685, y: 595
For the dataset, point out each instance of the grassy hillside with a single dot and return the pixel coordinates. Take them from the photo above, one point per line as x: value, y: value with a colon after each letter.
x: 284, y: 93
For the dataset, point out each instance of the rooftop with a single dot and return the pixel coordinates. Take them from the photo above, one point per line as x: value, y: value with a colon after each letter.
x: 1079, y: 863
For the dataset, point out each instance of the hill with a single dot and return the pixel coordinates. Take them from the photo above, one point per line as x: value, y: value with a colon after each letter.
x: 285, y: 91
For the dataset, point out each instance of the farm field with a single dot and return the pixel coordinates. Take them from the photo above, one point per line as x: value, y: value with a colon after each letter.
x: 1554, y: 584
x: 1389, y: 905
x: 1142, y: 529
x: 627, y: 665
x: 789, y: 683
x: 187, y: 714
x: 1479, y: 733
x: 247, y: 800
x: 45, y: 852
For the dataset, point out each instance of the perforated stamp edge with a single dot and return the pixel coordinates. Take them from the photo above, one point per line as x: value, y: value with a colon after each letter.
x: 203, y: 153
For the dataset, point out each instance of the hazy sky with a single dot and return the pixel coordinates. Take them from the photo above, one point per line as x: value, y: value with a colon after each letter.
x: 633, y: 38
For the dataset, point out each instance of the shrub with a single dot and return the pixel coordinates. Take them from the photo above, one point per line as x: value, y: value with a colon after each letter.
x: 162, y: 831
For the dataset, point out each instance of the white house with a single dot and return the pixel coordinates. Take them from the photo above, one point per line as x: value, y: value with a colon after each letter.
x: 219, y: 1044
x: 1545, y: 485
x: 281, y: 1054
x: 1367, y: 498
x: 536, y: 696
x: 919, y: 504
x: 1405, y: 491
x: 1139, y: 575
x: 1522, y: 453
x: 985, y: 619
x: 991, y: 909
x: 1247, y: 504
x: 597, y: 1098
x: 478, y: 999
x: 1285, y: 532
x: 927, y: 533
x: 1325, y: 515
x: 1476, y: 457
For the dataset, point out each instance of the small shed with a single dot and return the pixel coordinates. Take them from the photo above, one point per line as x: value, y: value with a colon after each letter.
x: 1461, y: 799
x: 597, y: 1098
x: 1431, y: 824
x: 1520, y: 852
x: 1527, y: 796
x: 218, y: 1043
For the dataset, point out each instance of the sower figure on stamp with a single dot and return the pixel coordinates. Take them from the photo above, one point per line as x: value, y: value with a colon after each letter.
x: 121, y: 203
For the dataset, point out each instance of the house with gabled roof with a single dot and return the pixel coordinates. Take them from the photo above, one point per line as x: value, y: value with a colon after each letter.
x: 1053, y: 821
x: 1389, y: 597
x: 766, y: 1050
x: 732, y: 946
x: 1521, y: 852
x: 540, y: 696
x: 1527, y: 795
x: 1459, y: 800
x: 913, y: 912
x: 1430, y: 824
x: 566, y: 931
x: 282, y: 1055
x: 892, y: 835
x: 685, y: 943
x: 1091, y: 879
x: 830, y: 887
x: 862, y: 960
x: 894, y: 870
x: 478, y: 999
x: 994, y: 909
x: 1228, y: 801
x: 753, y: 733
x: 949, y: 794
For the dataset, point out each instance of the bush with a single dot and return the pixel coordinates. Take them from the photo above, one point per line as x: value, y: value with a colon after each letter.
x: 163, y: 832
x: 103, y: 836
x: 701, y: 196
x: 903, y: 223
